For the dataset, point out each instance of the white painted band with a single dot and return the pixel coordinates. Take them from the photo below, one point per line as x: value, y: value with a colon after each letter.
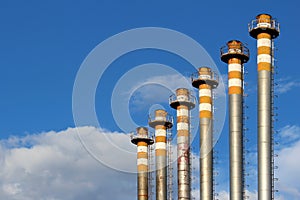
x: 142, y: 149
x: 264, y: 58
x: 182, y: 112
x: 182, y: 98
x: 182, y: 139
x: 264, y: 24
x: 205, y: 76
x: 182, y: 126
x: 235, y: 82
x: 160, y: 145
x: 160, y: 118
x: 264, y: 42
x: 142, y: 161
x: 160, y: 132
x: 234, y: 67
x: 204, y: 92
x: 205, y: 106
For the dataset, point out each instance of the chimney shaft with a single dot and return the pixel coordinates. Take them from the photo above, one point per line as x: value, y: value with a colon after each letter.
x: 205, y: 81
x: 142, y: 141
x: 161, y: 122
x: 264, y: 28
x: 183, y: 101
x: 235, y: 54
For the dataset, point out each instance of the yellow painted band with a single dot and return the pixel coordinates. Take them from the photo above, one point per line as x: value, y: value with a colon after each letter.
x: 235, y: 90
x: 264, y: 50
x: 264, y: 35
x: 182, y: 133
x: 234, y: 61
x: 183, y: 119
x: 204, y: 86
x: 160, y: 139
x: 142, y: 143
x: 142, y: 155
x: 142, y: 168
x: 205, y: 99
x: 205, y: 114
x: 264, y: 66
x: 160, y: 152
x: 234, y: 74
x: 264, y: 18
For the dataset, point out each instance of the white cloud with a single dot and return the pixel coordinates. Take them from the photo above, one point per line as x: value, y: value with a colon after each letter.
x: 195, y: 194
x: 283, y: 85
x: 223, y: 195
x: 158, y: 89
x: 252, y: 195
x: 173, y: 81
x: 290, y: 133
x: 289, y: 171
x: 221, y: 90
x: 151, y: 92
x: 286, y: 84
x: 56, y: 166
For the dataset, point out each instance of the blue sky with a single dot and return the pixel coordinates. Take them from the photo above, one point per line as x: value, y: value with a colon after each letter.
x: 43, y: 45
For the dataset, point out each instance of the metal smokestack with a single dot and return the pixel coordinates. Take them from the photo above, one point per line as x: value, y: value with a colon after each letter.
x: 205, y: 81
x: 264, y: 28
x: 142, y: 141
x: 183, y: 102
x: 235, y: 54
x: 161, y: 122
